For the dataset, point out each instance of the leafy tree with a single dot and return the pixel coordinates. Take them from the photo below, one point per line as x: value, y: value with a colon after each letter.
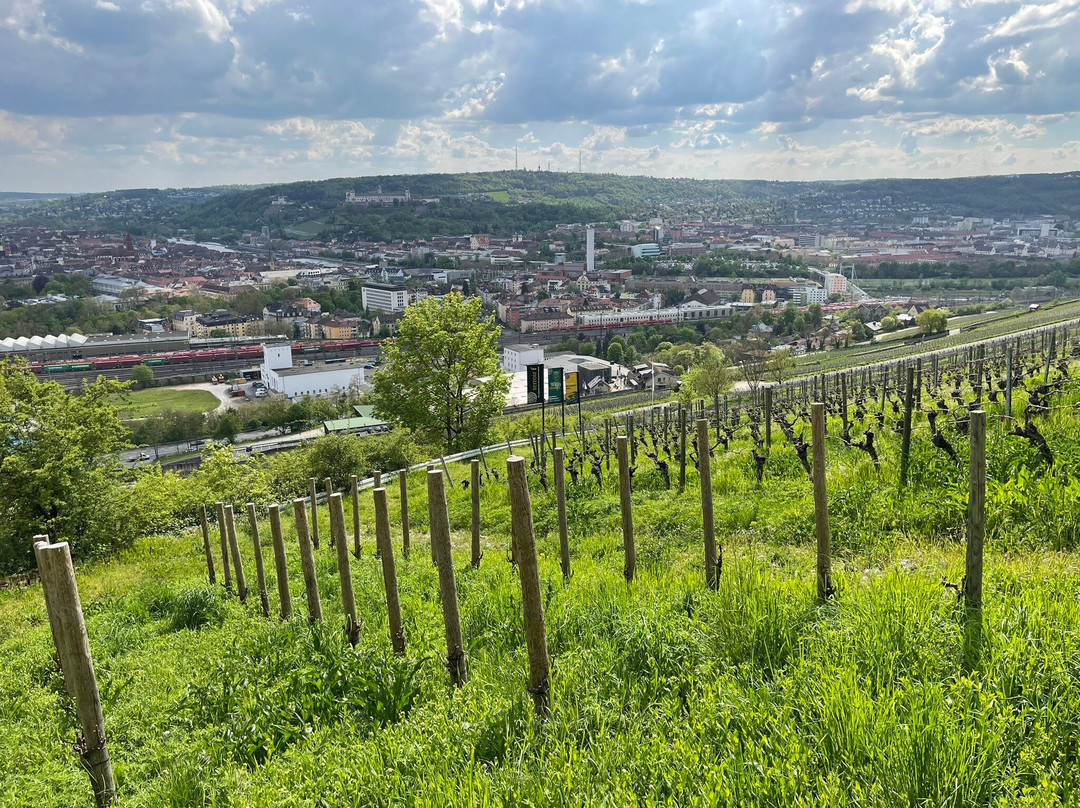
x: 616, y: 350
x: 227, y: 426
x: 57, y: 454
x: 142, y: 375
x: 779, y: 364
x: 39, y: 283
x: 932, y: 321
x: 336, y: 457
x: 890, y: 322
x: 750, y: 357
x: 710, y: 376
x: 441, y: 375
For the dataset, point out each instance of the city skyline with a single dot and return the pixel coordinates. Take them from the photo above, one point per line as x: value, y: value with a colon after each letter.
x: 167, y: 93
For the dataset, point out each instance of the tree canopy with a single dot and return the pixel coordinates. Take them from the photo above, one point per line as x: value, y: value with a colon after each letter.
x: 441, y: 376
x: 710, y: 375
x: 57, y: 452
x: 932, y: 321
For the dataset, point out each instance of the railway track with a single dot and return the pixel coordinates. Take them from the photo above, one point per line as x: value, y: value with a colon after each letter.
x: 75, y: 378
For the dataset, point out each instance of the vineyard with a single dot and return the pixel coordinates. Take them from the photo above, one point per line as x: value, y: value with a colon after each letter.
x: 839, y: 615
x: 985, y: 327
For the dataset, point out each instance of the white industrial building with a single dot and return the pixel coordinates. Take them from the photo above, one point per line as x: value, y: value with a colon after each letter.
x: 516, y: 357
x: 322, y: 379
x: 17, y: 344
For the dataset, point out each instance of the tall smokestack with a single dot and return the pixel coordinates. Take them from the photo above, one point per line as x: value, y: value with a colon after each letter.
x: 590, y: 235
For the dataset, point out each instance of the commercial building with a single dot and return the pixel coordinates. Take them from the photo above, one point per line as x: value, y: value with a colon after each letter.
x: 322, y: 379
x: 384, y: 297
x: 651, y: 250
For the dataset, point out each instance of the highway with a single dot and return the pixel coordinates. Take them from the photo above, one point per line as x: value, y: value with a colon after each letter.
x: 260, y: 441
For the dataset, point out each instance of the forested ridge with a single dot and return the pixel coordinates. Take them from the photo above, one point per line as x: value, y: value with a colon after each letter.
x: 504, y: 202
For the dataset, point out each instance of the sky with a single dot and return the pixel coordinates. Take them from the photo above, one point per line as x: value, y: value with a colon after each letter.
x: 104, y: 94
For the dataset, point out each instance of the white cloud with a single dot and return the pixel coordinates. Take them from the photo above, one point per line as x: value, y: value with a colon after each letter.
x: 288, y: 87
x: 1034, y: 17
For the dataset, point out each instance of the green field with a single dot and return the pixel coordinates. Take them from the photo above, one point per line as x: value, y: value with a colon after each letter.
x: 663, y: 693
x: 305, y: 230
x: 144, y: 403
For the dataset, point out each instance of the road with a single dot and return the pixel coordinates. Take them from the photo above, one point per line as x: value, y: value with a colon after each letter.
x: 261, y: 440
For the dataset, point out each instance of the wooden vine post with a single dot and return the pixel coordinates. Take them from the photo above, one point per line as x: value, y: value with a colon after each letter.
x: 389, y: 568
x: 560, y: 504
x: 1049, y: 357
x: 843, y: 400
x: 976, y: 513
x: 206, y: 544
x: 521, y: 527
x: 234, y: 550
x: 340, y: 540
x: 329, y: 486
x: 224, y: 535
x: 260, y: 569
x: 768, y: 417
x: 439, y: 520
x: 281, y: 563
x: 403, y: 484
x: 307, y: 561
x: 626, y: 508
x: 355, y: 485
x: 821, y: 503
x: 314, y: 513
x: 905, y: 442
x: 682, y: 448
x: 712, y: 563
x: 73, y: 649
x: 1008, y: 380
x: 474, y: 490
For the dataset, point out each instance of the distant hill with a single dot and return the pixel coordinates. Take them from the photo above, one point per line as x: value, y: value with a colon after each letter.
x: 504, y: 202
x: 22, y: 198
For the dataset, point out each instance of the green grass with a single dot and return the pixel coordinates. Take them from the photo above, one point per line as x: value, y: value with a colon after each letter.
x: 308, y: 229
x: 662, y: 692
x: 144, y: 403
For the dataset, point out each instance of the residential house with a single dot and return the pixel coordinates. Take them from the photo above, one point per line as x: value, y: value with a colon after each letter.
x: 234, y: 325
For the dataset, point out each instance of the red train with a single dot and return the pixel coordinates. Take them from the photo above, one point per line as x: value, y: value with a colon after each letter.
x: 243, y: 352
x: 613, y: 326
